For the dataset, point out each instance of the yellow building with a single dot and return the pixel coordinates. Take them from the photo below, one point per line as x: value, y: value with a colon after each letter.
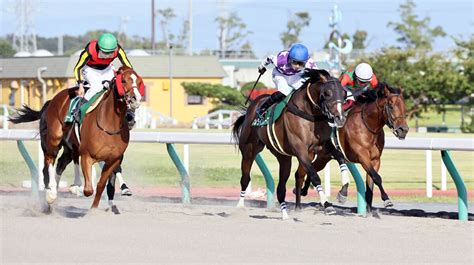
x: 19, y: 81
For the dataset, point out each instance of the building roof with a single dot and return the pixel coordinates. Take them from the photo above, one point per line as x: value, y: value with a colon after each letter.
x: 146, y: 66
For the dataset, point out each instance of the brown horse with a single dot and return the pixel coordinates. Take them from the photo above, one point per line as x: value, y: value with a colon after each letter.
x: 301, y: 130
x: 362, y: 138
x: 103, y: 134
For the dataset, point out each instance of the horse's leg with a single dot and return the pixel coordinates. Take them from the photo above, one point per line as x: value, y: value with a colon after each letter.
x: 249, y: 152
x: 284, y: 174
x: 106, y: 171
x: 111, y: 188
x: 299, y: 177
x: 50, y: 150
x: 364, y: 159
x: 86, y: 165
x: 305, y: 161
x: 342, y: 194
x: 307, y: 184
x: 378, y: 181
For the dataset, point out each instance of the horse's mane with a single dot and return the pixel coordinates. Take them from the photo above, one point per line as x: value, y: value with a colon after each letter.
x: 380, y: 89
x: 314, y: 75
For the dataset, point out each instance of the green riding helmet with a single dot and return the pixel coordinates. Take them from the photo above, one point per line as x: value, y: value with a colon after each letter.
x: 107, y: 42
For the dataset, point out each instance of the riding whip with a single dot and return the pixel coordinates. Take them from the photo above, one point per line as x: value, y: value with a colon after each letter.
x: 254, y: 85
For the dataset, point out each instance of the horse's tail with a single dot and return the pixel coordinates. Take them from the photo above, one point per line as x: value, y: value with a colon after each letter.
x: 27, y: 114
x: 236, y: 129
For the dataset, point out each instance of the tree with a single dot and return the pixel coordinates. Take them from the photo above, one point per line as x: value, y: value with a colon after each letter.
x: 294, y: 27
x: 358, y: 39
x: 223, y: 97
x: 231, y: 32
x: 6, y: 49
x: 415, y: 33
x: 166, y: 15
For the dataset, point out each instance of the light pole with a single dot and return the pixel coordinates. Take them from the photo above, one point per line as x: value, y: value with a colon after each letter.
x: 170, y: 72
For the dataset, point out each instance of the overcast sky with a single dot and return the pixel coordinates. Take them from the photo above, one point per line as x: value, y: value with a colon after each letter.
x: 265, y: 18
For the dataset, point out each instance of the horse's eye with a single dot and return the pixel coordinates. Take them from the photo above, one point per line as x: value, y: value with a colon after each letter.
x: 327, y: 93
x: 123, y: 81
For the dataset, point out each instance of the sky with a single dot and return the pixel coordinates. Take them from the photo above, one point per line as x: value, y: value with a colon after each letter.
x: 266, y: 19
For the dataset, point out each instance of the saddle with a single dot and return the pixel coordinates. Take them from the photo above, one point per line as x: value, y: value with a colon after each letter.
x: 273, y: 113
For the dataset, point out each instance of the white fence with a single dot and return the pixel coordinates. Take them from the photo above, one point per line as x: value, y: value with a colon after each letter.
x: 428, y: 144
x: 218, y: 119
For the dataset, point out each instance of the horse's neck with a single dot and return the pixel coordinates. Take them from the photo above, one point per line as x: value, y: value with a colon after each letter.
x: 372, y: 113
x: 112, y: 109
x: 303, y: 101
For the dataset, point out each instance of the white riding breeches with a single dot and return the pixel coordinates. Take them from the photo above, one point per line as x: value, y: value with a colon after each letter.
x: 287, y: 83
x: 95, y: 78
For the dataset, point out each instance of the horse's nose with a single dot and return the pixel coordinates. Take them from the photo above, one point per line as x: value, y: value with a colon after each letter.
x: 401, y: 132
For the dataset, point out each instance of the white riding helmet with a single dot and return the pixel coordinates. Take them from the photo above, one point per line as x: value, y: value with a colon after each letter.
x: 364, y: 72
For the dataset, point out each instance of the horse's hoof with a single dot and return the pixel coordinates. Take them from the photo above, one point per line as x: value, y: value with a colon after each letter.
x: 241, y: 204
x: 51, y: 196
x: 341, y: 198
x: 304, y: 192
x: 88, y: 192
x: 284, y: 216
x: 115, y: 209
x: 329, y: 210
x: 126, y: 192
x: 76, y: 190
x: 388, y: 203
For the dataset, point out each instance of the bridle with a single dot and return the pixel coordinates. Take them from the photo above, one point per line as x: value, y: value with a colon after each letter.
x: 130, y: 101
x: 387, y: 108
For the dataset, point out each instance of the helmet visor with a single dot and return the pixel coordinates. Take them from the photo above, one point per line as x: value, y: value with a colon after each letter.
x: 105, y: 55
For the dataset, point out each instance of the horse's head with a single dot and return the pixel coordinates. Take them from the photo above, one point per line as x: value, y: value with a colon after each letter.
x: 329, y: 94
x: 394, y: 110
x: 129, y: 87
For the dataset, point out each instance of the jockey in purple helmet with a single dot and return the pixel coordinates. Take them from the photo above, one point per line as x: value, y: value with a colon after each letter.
x: 289, y: 67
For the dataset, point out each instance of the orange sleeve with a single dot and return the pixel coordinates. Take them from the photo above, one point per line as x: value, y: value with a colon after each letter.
x: 374, y: 82
x: 345, y: 79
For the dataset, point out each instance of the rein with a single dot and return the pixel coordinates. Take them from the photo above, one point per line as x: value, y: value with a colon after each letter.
x: 389, y: 122
x: 293, y: 109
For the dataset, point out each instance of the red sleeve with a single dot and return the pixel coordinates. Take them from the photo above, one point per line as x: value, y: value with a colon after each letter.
x: 345, y: 79
x: 374, y: 82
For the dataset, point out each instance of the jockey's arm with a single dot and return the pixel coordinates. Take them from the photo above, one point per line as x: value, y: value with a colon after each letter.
x: 345, y: 79
x: 83, y: 58
x: 374, y: 82
x: 123, y: 57
x: 269, y: 60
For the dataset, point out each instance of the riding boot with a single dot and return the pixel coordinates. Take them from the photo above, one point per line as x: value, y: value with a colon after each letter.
x: 130, y: 118
x: 274, y: 98
x: 77, y: 111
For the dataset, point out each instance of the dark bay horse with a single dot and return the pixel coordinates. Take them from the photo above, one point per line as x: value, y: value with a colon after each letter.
x: 104, y: 135
x: 362, y: 138
x: 300, y: 131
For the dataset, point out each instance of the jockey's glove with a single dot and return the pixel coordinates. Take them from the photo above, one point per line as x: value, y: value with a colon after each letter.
x: 262, y: 69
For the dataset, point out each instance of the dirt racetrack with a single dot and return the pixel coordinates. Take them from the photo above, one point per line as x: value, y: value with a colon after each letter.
x: 153, y: 231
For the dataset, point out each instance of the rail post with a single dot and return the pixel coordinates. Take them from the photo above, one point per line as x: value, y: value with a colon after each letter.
x: 361, y: 203
x: 185, y: 186
x: 460, y: 187
x: 268, y: 180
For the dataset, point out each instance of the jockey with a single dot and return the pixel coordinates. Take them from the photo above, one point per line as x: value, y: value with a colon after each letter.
x: 357, y: 82
x: 289, y: 67
x: 95, y: 62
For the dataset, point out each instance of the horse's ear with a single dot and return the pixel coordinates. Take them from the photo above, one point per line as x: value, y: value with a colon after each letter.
x: 386, y: 90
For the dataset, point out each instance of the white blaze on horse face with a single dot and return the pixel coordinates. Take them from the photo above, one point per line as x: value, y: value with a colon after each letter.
x: 339, y: 108
x: 138, y: 96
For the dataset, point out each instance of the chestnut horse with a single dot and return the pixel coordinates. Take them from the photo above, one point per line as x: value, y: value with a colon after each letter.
x: 301, y: 130
x: 362, y: 138
x: 104, y: 135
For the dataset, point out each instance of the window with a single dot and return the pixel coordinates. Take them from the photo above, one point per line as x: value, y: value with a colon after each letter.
x: 195, y: 100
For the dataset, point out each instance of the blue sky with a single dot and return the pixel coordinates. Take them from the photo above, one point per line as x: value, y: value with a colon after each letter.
x: 266, y: 19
